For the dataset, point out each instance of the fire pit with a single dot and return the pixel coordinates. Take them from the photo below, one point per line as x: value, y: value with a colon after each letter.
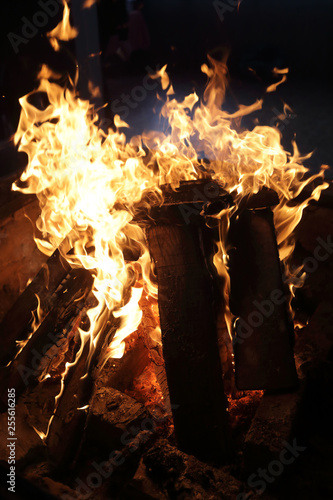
x: 153, y: 351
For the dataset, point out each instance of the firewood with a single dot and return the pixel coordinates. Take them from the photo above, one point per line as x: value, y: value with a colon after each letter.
x: 264, y: 332
x: 16, y: 324
x: 122, y: 372
x: 189, y: 338
x: 25, y: 369
x: 266, y: 197
x: 207, y: 190
x: 194, y: 199
x: 113, y: 415
x: 72, y: 410
x: 183, y: 476
x: 198, y: 191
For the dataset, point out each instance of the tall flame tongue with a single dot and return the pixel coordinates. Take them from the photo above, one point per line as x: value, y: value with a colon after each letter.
x: 90, y: 184
x: 63, y: 31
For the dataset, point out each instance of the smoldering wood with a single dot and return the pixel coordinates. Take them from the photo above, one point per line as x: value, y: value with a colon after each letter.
x: 120, y: 373
x: 16, y: 324
x: 123, y: 371
x: 264, y: 331
x: 226, y: 353
x: 26, y: 368
x: 161, y: 377
x: 112, y: 414
x: 272, y: 425
x: 173, y: 473
x: 189, y: 338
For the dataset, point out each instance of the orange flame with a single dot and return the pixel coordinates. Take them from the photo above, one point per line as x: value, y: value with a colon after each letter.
x: 63, y: 31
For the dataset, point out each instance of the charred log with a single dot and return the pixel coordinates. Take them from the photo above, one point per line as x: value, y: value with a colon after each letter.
x: 28, y: 365
x: 189, y: 338
x: 264, y: 332
x: 78, y: 392
x: 17, y: 322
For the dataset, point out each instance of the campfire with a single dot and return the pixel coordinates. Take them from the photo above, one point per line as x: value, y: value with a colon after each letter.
x: 161, y: 319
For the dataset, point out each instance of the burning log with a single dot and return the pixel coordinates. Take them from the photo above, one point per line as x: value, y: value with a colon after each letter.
x: 17, y: 322
x: 122, y: 372
x: 78, y: 392
x: 189, y: 336
x: 27, y: 366
x: 264, y: 332
x: 264, y: 198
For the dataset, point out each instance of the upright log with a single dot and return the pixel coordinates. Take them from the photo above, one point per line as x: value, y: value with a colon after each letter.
x: 264, y: 333
x: 189, y: 337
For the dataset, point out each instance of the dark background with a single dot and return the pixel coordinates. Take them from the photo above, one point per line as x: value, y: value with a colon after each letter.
x: 301, y: 30
x: 260, y: 34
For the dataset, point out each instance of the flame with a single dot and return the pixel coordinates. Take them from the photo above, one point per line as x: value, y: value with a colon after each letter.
x: 131, y: 317
x: 63, y: 31
x: 92, y: 185
x: 88, y: 4
x: 94, y: 90
x: 41, y: 434
x: 37, y: 317
x: 85, y: 407
x: 276, y: 71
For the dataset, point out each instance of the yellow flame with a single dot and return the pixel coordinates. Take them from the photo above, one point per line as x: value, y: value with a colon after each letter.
x: 63, y: 31
x: 83, y: 407
x: 37, y: 317
x: 131, y: 316
x: 274, y: 86
x: 41, y: 434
